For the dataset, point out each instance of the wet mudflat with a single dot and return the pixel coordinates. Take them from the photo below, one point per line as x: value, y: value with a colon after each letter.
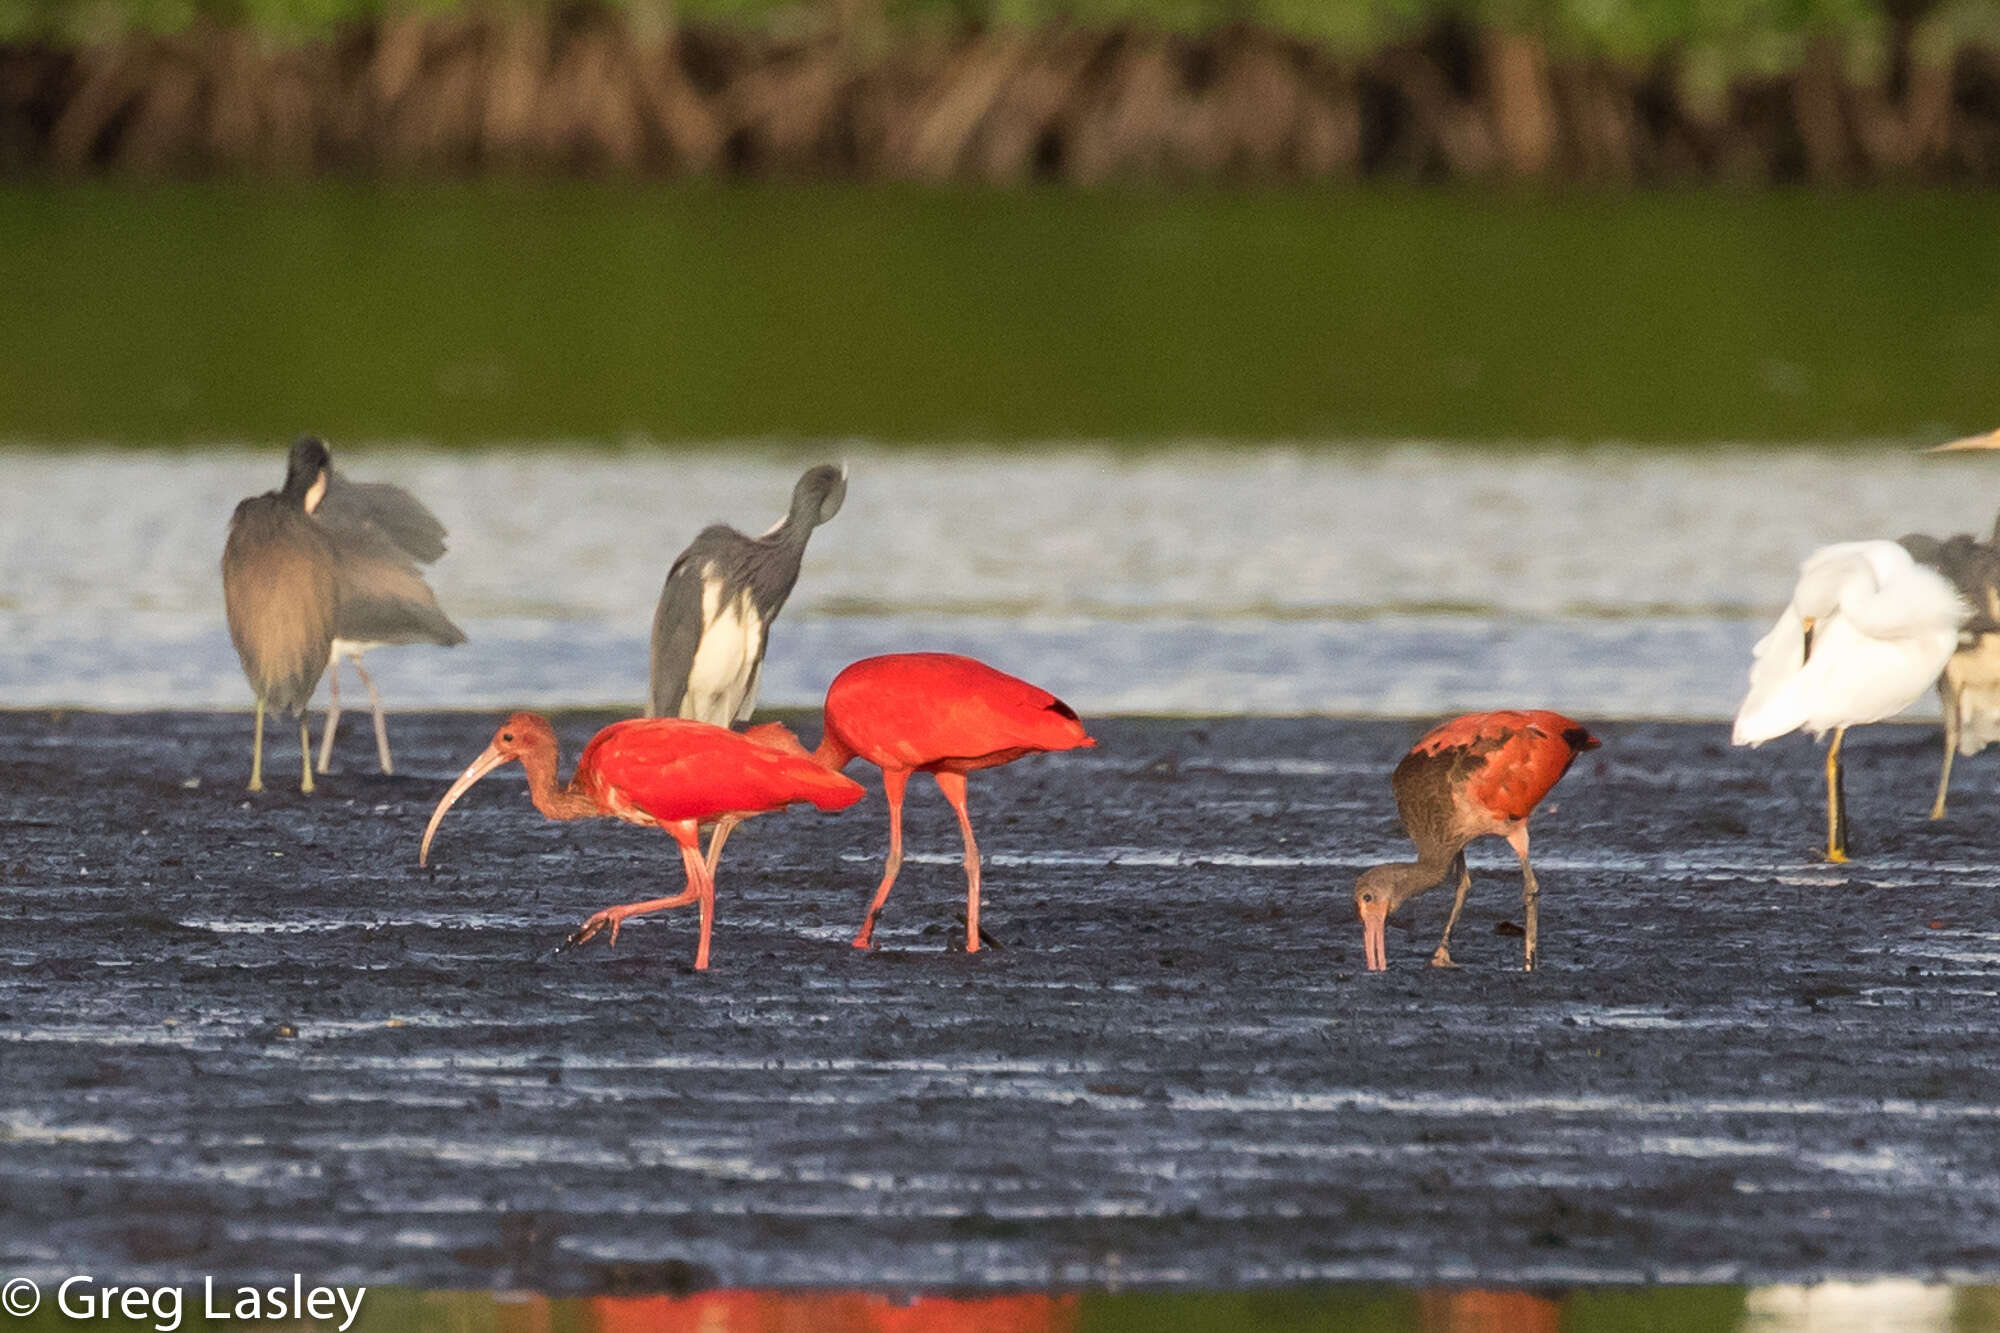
x: 247, y: 1035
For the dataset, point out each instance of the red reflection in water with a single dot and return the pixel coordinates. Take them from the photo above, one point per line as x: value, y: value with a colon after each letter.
x: 1487, y: 1312
x: 828, y: 1312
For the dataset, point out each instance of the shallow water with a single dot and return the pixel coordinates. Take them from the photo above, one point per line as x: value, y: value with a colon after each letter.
x: 250, y: 1036
x: 1374, y: 580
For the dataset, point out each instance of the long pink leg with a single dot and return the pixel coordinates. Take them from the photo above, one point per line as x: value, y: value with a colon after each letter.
x: 700, y: 889
x: 696, y: 866
x: 1530, y: 893
x: 953, y: 787
x: 723, y: 828
x: 894, y: 780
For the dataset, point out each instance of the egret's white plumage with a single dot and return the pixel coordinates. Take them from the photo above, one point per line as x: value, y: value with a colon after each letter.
x: 1882, y: 628
x: 1867, y: 632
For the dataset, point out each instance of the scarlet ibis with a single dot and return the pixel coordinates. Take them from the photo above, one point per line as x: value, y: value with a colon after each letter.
x: 1867, y: 631
x: 381, y: 533
x: 945, y: 715
x: 716, y: 609
x: 1969, y: 688
x: 281, y: 595
x: 1478, y: 774
x: 665, y: 773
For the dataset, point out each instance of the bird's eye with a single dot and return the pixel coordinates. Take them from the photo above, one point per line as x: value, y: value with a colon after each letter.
x: 507, y: 737
x: 1367, y: 897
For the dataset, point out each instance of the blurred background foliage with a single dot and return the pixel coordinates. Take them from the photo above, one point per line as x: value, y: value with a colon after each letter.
x: 1749, y: 35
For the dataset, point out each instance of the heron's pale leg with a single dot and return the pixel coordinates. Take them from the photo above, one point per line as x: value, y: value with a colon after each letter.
x: 305, y: 753
x: 1442, y: 958
x: 257, y: 750
x: 953, y: 787
x: 723, y: 828
x: 332, y: 713
x: 699, y: 889
x: 1836, y: 801
x: 1948, y: 696
x: 893, y: 783
x: 1531, y: 893
x: 381, y: 725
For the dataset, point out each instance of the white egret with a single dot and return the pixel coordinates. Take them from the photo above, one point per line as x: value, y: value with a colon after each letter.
x: 1868, y: 630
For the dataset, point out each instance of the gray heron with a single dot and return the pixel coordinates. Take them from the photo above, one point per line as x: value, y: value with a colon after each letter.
x: 714, y: 619
x: 281, y: 594
x: 381, y: 534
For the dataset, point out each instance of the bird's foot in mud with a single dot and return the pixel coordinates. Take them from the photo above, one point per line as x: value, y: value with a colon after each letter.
x: 1837, y: 856
x: 592, y: 927
x: 986, y: 941
x: 1442, y: 958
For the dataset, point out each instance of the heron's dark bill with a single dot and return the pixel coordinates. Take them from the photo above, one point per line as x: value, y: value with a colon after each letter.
x: 489, y: 759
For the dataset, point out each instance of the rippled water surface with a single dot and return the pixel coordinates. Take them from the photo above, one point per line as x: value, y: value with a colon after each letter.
x: 1387, y: 580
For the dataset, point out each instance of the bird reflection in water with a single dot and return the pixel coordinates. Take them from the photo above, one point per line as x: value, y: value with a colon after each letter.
x: 1481, y: 1311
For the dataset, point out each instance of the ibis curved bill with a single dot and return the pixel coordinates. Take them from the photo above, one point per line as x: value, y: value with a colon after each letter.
x: 664, y: 773
x: 489, y: 759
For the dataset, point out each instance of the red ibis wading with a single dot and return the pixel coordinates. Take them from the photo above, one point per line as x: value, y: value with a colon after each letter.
x: 664, y: 773
x: 945, y: 715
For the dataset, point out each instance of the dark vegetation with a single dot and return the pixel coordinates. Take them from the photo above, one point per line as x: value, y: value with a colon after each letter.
x: 1084, y: 91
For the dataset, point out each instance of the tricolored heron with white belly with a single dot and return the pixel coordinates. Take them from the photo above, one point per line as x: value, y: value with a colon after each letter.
x: 381, y: 534
x: 281, y: 593
x: 715, y: 614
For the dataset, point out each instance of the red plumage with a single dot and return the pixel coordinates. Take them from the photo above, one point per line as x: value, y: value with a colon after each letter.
x: 665, y: 773
x: 1518, y: 754
x: 945, y: 715
x: 1480, y: 774
x: 675, y: 769
x: 939, y: 712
